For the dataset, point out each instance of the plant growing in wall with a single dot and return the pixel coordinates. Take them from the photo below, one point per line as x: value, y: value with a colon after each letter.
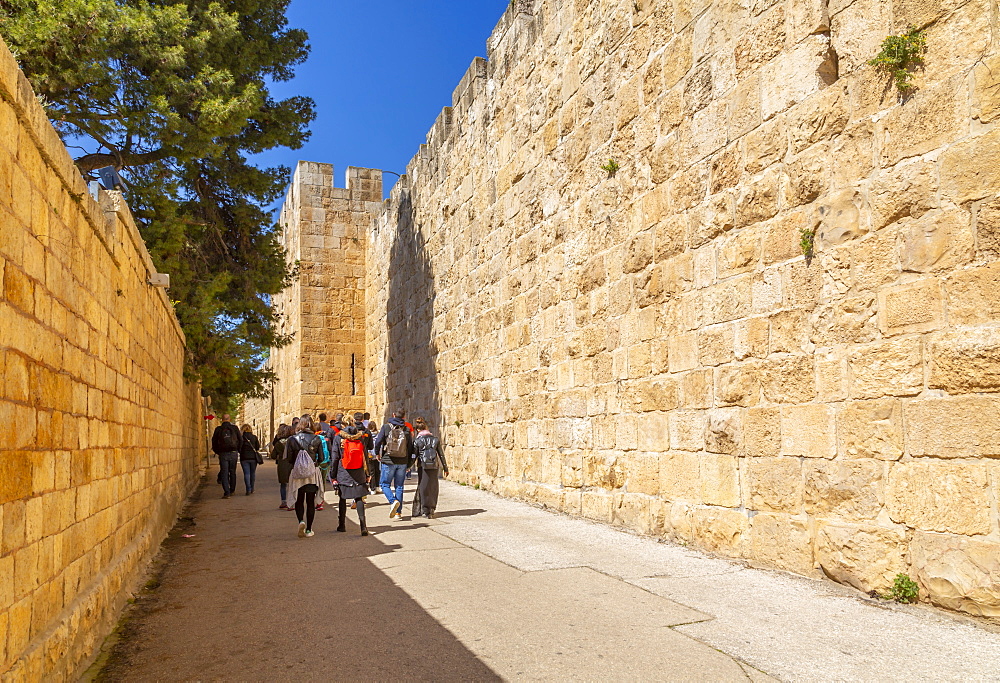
x: 904, y: 589
x: 611, y: 167
x: 899, y: 55
x: 807, y: 241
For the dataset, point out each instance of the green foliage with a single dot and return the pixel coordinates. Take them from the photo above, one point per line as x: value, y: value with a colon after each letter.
x: 899, y: 55
x: 807, y: 240
x: 611, y: 167
x: 904, y: 589
x: 174, y: 93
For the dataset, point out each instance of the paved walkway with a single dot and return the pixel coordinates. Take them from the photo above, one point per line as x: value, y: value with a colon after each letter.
x: 497, y: 589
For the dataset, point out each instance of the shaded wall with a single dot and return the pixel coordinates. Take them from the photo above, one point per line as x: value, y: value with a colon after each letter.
x: 101, y: 439
x: 651, y: 348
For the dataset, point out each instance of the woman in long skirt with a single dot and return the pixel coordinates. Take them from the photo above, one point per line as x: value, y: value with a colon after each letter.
x: 430, y: 459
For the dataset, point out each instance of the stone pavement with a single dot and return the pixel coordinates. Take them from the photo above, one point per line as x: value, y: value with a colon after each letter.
x: 498, y: 589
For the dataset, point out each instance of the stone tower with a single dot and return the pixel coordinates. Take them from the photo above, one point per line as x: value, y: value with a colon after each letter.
x: 324, y: 232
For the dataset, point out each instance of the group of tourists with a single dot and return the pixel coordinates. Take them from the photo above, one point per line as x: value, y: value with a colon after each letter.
x: 349, y: 457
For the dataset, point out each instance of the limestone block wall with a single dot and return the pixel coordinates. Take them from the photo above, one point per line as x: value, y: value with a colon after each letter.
x: 651, y: 348
x: 100, y: 437
x: 325, y: 230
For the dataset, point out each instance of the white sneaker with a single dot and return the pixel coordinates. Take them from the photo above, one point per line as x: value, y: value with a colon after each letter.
x: 378, y: 489
x: 394, y: 510
x: 310, y: 533
x: 302, y: 529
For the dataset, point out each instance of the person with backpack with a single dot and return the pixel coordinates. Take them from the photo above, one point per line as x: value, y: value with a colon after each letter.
x: 327, y: 446
x: 430, y: 459
x: 374, y: 466
x: 305, y: 453
x: 227, y: 442
x: 284, y: 467
x: 394, y: 448
x: 249, y: 458
x: 348, y: 467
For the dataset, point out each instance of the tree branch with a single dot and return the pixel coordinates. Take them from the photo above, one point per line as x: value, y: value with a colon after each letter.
x: 92, y: 162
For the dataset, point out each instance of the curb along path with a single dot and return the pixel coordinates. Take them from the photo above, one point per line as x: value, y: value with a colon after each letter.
x: 498, y: 589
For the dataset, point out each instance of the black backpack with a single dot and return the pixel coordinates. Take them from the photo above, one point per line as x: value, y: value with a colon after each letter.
x: 230, y: 439
x: 427, y: 452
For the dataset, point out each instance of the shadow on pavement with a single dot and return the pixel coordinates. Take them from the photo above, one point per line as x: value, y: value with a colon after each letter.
x: 246, y: 599
x: 459, y: 513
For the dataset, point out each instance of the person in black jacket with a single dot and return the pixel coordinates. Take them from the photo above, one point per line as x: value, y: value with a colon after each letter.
x: 348, y: 468
x: 249, y: 452
x: 430, y: 458
x: 226, y: 442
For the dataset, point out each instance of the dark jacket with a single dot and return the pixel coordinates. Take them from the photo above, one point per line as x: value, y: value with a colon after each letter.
x: 425, y: 443
x: 302, y: 441
x: 217, y: 444
x: 249, y: 447
x: 351, y: 482
x: 383, y: 435
x: 278, y: 453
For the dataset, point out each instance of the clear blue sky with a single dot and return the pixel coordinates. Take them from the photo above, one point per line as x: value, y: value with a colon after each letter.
x: 380, y: 73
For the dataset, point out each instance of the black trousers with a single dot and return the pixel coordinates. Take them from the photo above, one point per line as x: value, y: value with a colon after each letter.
x: 361, y: 513
x: 228, y: 464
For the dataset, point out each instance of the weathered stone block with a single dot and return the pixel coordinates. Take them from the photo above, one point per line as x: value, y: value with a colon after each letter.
x: 788, y: 380
x: 960, y: 427
x: 987, y: 92
x: 937, y: 241
x: 725, y: 432
x: 930, y: 119
x: 775, y: 484
x: 974, y: 295
x: 720, y: 530
x: 808, y: 431
x: 679, y: 476
x: 871, y: 429
x: 720, y: 480
x: 940, y: 496
x: 904, y: 191
x: 958, y: 573
x: 913, y: 307
x: 966, y: 361
x: 964, y: 175
x: 866, y: 557
x: 782, y: 541
x: 795, y: 75
x: 847, y: 490
x: 687, y: 430
x: 892, y: 368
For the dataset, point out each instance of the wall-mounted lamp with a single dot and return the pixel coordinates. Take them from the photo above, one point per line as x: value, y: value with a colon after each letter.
x: 159, y: 280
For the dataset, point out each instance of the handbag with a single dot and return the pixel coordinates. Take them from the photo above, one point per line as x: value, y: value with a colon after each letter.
x: 260, y: 458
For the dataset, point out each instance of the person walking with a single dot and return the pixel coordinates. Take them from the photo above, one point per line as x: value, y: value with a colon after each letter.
x: 394, y: 448
x: 304, y: 452
x: 348, y: 467
x: 374, y: 466
x: 430, y: 459
x: 226, y: 443
x: 249, y: 458
x: 284, y: 467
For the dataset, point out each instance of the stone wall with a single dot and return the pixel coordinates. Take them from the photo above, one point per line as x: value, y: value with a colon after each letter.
x: 100, y: 437
x: 325, y: 230
x: 650, y: 348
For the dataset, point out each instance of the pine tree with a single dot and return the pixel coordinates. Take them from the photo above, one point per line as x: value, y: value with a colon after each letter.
x: 173, y: 94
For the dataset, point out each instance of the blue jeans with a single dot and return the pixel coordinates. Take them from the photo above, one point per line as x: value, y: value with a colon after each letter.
x: 227, y: 465
x: 284, y: 493
x: 392, y: 482
x: 249, y: 473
